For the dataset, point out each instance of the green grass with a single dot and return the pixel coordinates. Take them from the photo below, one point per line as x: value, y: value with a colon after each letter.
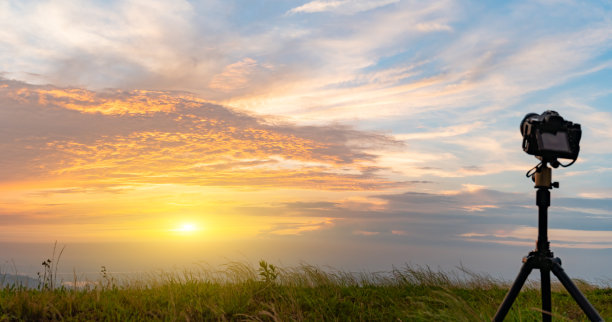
x: 270, y: 293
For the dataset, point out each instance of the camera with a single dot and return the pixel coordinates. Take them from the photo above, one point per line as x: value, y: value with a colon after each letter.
x: 548, y: 136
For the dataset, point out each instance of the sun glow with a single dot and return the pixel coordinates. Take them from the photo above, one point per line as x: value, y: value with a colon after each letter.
x: 186, y: 228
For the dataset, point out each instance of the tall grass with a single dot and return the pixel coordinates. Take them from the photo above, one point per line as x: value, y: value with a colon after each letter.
x: 240, y: 291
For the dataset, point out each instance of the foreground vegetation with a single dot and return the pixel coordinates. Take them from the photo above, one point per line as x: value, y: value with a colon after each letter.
x: 241, y: 292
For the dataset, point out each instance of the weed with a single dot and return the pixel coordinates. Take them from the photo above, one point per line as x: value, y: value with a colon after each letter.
x: 47, y: 280
x: 108, y: 281
x: 267, y: 272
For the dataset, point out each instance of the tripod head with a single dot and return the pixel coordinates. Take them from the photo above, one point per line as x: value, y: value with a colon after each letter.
x: 541, y: 174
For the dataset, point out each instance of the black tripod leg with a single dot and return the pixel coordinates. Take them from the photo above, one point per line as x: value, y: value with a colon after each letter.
x: 584, y: 304
x: 514, y: 291
x: 545, y: 288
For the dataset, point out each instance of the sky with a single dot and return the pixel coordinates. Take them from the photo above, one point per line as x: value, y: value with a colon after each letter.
x: 359, y: 135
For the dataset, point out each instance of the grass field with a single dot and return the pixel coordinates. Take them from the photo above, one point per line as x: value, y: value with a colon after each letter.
x: 270, y: 293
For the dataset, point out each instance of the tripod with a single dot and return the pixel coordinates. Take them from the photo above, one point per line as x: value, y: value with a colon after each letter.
x: 542, y: 258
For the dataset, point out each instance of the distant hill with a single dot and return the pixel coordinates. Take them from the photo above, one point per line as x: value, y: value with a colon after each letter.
x: 17, y: 280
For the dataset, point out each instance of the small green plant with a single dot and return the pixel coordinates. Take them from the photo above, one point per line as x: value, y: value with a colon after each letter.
x: 267, y: 272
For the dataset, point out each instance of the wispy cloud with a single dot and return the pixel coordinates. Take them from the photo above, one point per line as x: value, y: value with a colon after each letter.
x: 340, y: 6
x: 474, y: 214
x: 96, y: 44
x: 306, y: 70
x: 298, y: 228
x: 234, y: 76
x: 563, y: 238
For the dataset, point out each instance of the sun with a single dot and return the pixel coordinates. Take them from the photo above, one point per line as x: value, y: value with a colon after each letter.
x: 186, y: 228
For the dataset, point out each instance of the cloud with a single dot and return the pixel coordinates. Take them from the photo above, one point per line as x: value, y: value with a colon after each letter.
x: 433, y: 26
x: 413, y: 214
x: 560, y: 238
x: 437, y: 133
x: 310, y: 70
x: 299, y: 228
x: 235, y: 76
x: 96, y: 44
x: 163, y: 156
x: 182, y: 46
x: 340, y: 6
x: 135, y: 137
x: 474, y: 73
x: 365, y: 233
x: 317, y: 6
x: 472, y: 215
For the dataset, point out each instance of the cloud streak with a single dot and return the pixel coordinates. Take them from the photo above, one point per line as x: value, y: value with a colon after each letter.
x: 472, y: 215
x: 340, y: 6
x: 561, y: 238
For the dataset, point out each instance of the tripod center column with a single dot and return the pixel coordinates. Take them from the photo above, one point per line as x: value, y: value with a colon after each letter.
x: 543, y: 202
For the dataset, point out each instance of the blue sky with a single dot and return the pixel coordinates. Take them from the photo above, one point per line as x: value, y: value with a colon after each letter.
x: 389, y: 125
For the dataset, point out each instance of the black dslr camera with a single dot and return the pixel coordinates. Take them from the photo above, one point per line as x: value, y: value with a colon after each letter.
x: 548, y: 136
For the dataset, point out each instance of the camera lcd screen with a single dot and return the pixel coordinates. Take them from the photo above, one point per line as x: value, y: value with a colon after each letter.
x: 555, y: 142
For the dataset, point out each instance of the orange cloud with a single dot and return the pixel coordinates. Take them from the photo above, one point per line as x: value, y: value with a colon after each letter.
x: 140, y: 137
x: 109, y: 103
x: 247, y: 157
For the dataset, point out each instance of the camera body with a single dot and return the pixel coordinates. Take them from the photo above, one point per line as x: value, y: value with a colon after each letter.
x: 548, y: 136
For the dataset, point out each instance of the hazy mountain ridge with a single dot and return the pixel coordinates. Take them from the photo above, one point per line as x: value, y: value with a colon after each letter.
x: 7, y: 280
